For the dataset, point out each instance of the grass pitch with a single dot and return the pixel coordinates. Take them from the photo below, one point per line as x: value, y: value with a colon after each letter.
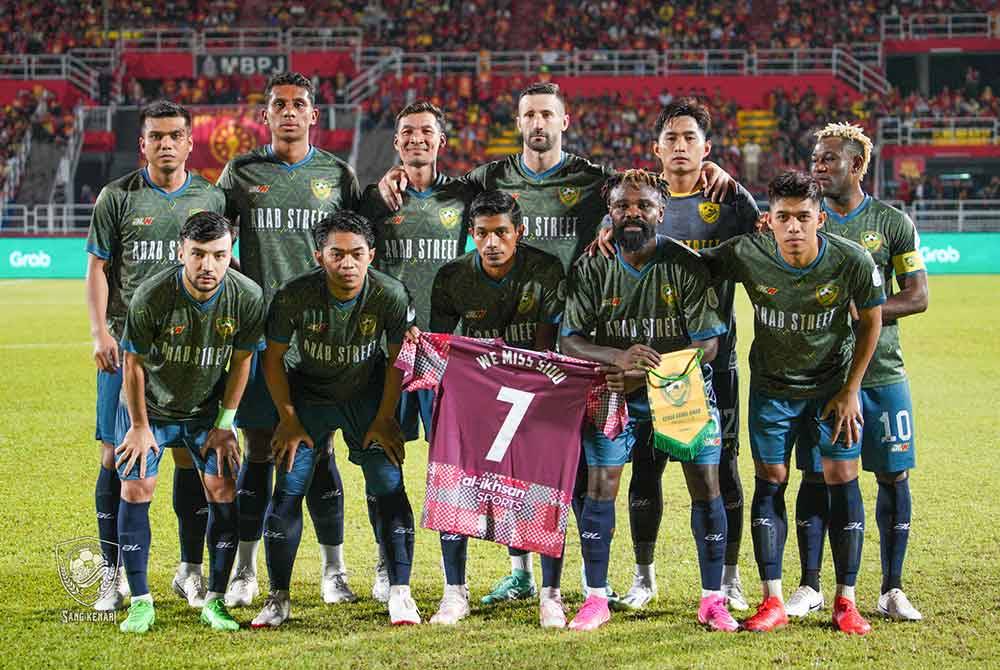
x: 49, y: 461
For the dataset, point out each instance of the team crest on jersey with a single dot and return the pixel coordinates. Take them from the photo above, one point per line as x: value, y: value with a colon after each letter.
x: 142, y: 221
x: 871, y: 240
x: 526, y: 303
x: 177, y: 330
x: 613, y: 301
x: 474, y: 314
x: 367, y: 324
x: 398, y: 219
x: 667, y: 293
x: 261, y: 188
x: 826, y: 294
x: 769, y: 290
x: 449, y: 217
x: 321, y: 188
x: 569, y: 195
x: 709, y: 212
x: 317, y: 327
x: 225, y: 326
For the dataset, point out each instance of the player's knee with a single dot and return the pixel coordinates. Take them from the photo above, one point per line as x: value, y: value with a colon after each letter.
x: 839, y: 472
x: 107, y: 456
x: 702, y: 481
x: 138, y: 490
x: 890, y: 478
x: 382, y: 478
x: 219, y: 489
x: 603, y: 482
x: 775, y: 473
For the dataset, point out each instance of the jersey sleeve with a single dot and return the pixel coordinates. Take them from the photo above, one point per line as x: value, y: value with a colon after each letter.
x: 444, y: 316
x: 553, y: 294
x: 104, y: 233
x: 722, y: 261
x: 350, y: 190
x: 477, y: 177
x: 140, y: 325
x: 282, y: 318
x: 227, y: 185
x: 251, y: 323
x: 580, y: 317
x: 699, y: 301
x: 746, y: 210
x: 868, y: 290
x: 399, y: 316
x: 904, y: 246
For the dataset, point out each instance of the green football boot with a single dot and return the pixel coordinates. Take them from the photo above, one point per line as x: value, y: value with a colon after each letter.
x: 141, y: 617
x: 511, y: 587
x: 215, y: 614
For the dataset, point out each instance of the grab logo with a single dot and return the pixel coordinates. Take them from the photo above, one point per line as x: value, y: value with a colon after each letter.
x: 947, y: 255
x: 38, y: 259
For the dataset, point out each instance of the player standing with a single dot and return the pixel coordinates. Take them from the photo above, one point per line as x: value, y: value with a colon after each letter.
x: 513, y: 291
x: 133, y: 234
x: 277, y: 193
x: 839, y: 163
x: 653, y: 297
x: 186, y: 326
x: 806, y: 366
x: 338, y: 315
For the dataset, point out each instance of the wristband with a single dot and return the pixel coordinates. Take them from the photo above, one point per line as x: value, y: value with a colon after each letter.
x: 225, y: 418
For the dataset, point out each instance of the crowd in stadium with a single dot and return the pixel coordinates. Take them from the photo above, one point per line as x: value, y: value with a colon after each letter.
x: 37, y: 109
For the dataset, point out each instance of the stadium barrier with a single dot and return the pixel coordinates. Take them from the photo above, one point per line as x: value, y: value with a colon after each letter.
x: 66, y: 257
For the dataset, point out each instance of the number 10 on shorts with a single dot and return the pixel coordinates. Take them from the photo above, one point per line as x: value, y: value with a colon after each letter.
x: 519, y: 401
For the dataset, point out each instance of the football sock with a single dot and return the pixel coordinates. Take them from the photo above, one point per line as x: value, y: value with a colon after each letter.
x: 253, y: 493
x: 134, y: 536
x: 597, y: 523
x: 223, y: 528
x: 282, y: 534
x: 454, y: 550
x: 192, y: 512
x: 708, y: 525
x: 732, y: 497
x: 246, y: 554
x: 395, y: 526
x: 892, y: 513
x: 107, y: 497
x: 812, y: 510
x: 768, y: 527
x: 325, y: 500
x: 331, y: 557
x: 645, y: 505
x: 521, y: 564
x: 551, y: 570
x: 847, y: 530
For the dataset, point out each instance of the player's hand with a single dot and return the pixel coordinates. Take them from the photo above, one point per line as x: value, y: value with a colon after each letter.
x: 412, y: 335
x: 715, y: 182
x: 106, y: 352
x: 637, y: 358
x: 614, y: 376
x: 392, y: 186
x: 763, y: 222
x: 602, y: 243
x: 227, y: 450
x: 287, y: 437
x: 845, y: 408
x: 385, y: 433
x: 138, y: 442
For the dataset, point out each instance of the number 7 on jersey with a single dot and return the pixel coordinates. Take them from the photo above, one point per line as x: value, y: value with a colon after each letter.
x: 519, y: 401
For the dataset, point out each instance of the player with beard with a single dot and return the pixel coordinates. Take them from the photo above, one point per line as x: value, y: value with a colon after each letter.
x: 839, y: 163
x: 559, y: 194
x: 189, y: 339
x: 652, y: 298
x: 135, y: 233
x: 277, y: 193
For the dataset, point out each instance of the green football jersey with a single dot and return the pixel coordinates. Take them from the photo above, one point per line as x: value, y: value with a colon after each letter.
x: 277, y: 205
x: 701, y: 224
x: 803, y: 341
x: 186, y: 345
x: 415, y: 242
x: 532, y: 292
x: 562, y: 208
x: 136, y: 227
x: 339, y: 344
x: 891, y: 238
x: 665, y: 305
